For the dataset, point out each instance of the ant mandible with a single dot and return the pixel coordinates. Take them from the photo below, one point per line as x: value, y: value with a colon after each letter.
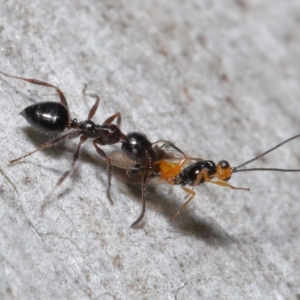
x: 54, y: 117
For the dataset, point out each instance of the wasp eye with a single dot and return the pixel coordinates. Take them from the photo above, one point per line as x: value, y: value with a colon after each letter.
x: 224, y: 164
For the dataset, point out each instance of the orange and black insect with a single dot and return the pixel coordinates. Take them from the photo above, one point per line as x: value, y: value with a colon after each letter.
x: 208, y: 171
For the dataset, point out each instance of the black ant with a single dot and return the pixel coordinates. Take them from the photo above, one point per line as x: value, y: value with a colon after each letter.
x: 54, y: 117
x: 207, y: 171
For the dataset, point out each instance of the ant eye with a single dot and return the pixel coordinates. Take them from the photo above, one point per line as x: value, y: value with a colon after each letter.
x: 224, y: 164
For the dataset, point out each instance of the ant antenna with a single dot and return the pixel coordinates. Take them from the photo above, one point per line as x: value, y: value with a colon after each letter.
x: 236, y: 169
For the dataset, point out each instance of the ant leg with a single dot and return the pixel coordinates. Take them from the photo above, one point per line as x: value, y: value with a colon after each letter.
x: 225, y: 184
x: 144, y: 185
x: 75, y: 158
x: 70, y: 135
x: 95, y: 106
x: 191, y: 195
x: 119, y: 121
x: 62, y: 97
x: 109, y: 120
x: 65, y: 175
x: 109, y: 167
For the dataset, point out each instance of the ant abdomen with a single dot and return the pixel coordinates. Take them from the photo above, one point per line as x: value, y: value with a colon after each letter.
x: 49, y: 117
x: 138, y: 148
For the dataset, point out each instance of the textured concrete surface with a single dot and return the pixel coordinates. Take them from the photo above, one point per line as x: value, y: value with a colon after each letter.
x: 221, y: 80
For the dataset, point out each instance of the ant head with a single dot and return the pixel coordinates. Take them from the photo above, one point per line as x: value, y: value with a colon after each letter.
x: 224, y: 170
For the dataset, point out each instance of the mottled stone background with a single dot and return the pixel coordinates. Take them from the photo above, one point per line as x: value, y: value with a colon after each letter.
x: 218, y: 78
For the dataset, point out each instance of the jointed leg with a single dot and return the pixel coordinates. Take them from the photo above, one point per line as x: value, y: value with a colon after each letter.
x: 225, y: 184
x: 203, y: 175
x: 144, y: 185
x: 191, y: 195
x: 65, y: 175
x: 109, y: 168
x: 72, y: 134
x: 109, y: 120
x: 63, y: 99
x: 95, y: 106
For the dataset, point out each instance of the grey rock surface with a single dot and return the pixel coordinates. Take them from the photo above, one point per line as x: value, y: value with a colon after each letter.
x: 218, y: 78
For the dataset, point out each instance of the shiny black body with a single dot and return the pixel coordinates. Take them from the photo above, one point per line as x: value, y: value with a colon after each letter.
x: 138, y: 148
x: 49, y: 117
x: 106, y: 134
x: 53, y: 117
x: 189, y: 175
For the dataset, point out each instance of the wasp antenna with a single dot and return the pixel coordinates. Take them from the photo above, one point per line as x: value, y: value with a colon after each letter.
x: 235, y: 169
x: 265, y: 169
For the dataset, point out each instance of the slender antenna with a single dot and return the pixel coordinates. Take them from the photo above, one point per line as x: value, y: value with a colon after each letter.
x: 265, y: 169
x: 235, y: 169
